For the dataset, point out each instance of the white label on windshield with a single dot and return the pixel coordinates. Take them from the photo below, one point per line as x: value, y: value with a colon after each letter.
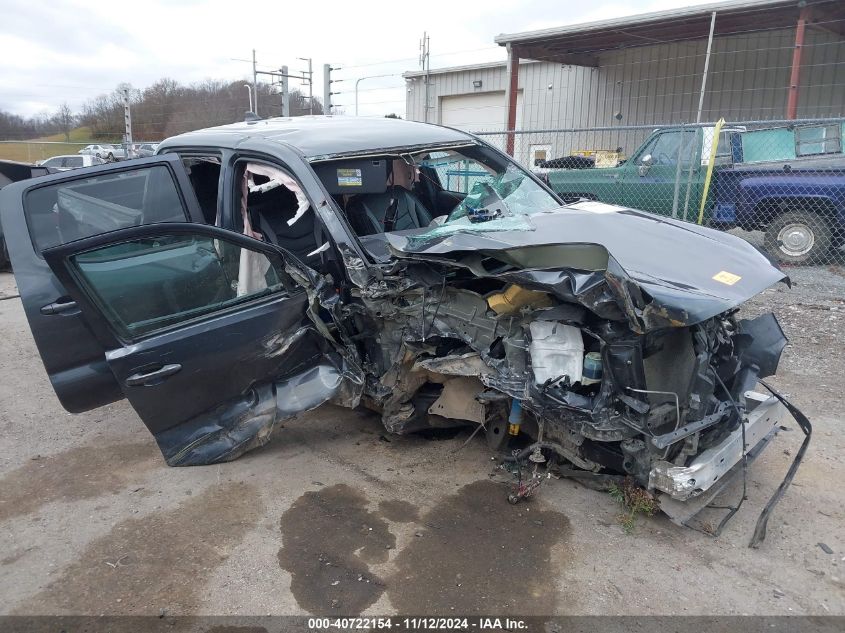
x: 594, y: 207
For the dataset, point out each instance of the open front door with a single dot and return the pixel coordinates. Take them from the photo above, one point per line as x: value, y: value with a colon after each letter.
x: 44, y: 212
x: 206, y: 333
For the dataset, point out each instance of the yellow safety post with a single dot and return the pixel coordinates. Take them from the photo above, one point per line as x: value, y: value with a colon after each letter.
x: 713, y: 145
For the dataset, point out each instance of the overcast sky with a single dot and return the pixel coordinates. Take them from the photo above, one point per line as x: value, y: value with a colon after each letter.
x: 73, y: 50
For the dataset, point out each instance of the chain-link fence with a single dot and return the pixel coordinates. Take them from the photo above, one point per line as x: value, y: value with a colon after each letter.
x: 779, y: 184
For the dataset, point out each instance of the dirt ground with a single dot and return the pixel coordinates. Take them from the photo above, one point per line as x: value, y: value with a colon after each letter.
x: 333, y: 516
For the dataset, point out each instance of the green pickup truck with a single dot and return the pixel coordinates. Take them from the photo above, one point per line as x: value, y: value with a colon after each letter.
x: 788, y: 181
x: 670, y: 160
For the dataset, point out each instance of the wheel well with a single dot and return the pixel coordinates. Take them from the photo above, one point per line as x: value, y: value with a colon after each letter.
x: 770, y: 208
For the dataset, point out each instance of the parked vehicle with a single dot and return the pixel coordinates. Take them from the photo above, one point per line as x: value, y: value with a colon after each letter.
x: 13, y: 171
x: 335, y: 266
x: 71, y: 161
x: 788, y: 182
x: 144, y: 150
x: 108, y: 153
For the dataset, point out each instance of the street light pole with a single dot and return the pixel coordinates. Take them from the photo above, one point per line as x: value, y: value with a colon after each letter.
x: 249, y: 92
x: 357, y: 81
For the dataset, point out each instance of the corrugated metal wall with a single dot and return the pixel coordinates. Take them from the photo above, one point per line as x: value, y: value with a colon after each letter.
x: 748, y: 80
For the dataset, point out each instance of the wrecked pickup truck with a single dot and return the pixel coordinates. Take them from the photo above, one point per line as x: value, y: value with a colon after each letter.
x: 250, y: 272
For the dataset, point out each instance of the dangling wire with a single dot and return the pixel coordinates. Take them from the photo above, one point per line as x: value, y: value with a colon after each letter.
x: 732, y: 510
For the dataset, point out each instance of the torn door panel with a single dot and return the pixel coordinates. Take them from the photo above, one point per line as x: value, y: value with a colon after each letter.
x: 247, y: 422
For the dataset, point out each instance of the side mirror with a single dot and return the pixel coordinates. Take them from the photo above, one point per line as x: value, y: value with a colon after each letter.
x: 645, y: 164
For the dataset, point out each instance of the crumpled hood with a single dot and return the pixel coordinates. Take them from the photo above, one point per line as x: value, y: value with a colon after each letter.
x: 656, y: 271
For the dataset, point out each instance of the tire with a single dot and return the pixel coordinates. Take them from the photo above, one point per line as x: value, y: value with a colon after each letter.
x: 798, y: 237
x: 110, y: 157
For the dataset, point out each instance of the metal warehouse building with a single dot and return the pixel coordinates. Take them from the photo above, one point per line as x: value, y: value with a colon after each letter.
x: 763, y: 59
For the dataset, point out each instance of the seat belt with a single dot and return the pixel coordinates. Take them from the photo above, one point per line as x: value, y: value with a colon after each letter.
x: 267, y: 230
x: 391, y: 213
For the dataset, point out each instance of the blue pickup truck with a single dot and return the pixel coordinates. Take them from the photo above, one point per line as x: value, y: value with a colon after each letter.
x: 786, y: 181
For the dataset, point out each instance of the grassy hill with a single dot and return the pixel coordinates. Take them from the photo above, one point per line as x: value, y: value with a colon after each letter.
x: 53, y: 145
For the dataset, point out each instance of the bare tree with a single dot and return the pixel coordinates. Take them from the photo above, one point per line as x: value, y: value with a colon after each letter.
x: 65, y: 119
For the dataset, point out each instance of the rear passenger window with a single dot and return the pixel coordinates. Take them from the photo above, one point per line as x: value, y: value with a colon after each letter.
x: 204, y: 175
x: 68, y: 211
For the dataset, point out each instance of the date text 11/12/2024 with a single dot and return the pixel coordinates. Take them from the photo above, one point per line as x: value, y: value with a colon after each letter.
x: 419, y: 623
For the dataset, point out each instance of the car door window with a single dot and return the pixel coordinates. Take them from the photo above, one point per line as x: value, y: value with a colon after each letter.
x: 204, y: 175
x: 67, y: 211
x: 145, y: 285
x: 668, y: 146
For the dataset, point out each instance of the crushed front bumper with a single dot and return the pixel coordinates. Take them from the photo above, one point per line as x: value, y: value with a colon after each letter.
x: 684, y: 491
x: 708, y: 469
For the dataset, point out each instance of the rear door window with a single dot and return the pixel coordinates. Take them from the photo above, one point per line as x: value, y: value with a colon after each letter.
x: 72, y: 210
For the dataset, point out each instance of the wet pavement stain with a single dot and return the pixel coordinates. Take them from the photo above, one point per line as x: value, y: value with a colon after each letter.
x: 157, y: 561
x: 329, y: 538
x: 480, y: 555
x: 79, y: 473
x: 398, y: 511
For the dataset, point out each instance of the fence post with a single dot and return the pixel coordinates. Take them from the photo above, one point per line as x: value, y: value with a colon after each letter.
x: 678, y: 169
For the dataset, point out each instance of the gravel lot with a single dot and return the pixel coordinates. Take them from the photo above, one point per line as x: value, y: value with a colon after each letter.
x: 332, y: 516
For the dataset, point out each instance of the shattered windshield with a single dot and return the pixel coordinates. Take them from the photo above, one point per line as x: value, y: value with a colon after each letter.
x: 492, y: 194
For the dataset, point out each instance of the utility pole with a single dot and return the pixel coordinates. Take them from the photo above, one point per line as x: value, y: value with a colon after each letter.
x: 127, y: 123
x: 327, y: 87
x: 254, y: 82
x: 285, y: 92
x: 280, y: 77
x: 310, y: 74
x: 425, y: 65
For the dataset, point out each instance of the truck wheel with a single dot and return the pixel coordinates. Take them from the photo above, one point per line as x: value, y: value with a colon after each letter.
x: 798, y: 237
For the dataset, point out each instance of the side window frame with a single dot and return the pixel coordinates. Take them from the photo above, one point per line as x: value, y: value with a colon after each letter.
x: 234, y: 173
x: 196, y: 152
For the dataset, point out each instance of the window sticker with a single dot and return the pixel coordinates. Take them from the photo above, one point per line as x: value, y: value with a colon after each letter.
x: 349, y: 178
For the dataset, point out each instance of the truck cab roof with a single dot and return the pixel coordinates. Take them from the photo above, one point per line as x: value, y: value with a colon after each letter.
x: 322, y: 137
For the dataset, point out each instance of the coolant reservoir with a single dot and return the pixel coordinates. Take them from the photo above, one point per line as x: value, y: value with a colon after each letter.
x: 556, y: 350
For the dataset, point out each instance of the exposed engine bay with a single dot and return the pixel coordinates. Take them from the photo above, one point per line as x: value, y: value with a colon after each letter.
x: 587, y: 364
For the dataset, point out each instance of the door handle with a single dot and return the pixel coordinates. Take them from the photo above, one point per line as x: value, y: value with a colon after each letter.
x: 63, y: 304
x: 152, y: 378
